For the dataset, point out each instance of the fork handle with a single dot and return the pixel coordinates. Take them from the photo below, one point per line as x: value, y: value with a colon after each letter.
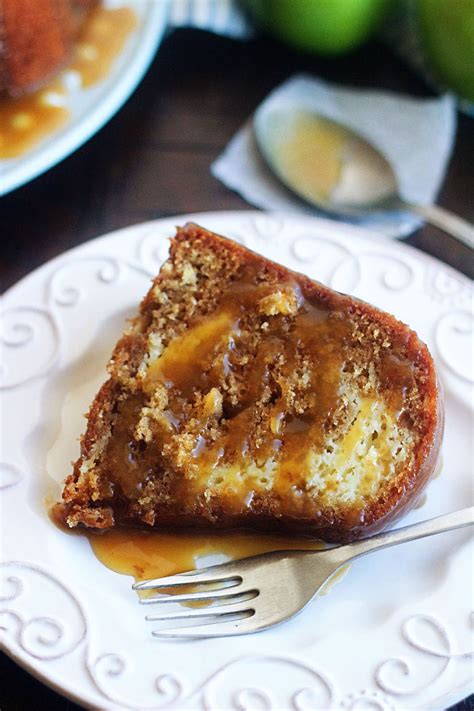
x: 440, y: 524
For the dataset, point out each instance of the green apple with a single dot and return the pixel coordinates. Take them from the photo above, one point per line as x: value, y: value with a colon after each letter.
x: 320, y: 26
x: 447, y: 35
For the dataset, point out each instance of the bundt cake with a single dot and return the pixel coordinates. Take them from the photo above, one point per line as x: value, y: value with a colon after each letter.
x: 36, y: 38
x: 247, y: 395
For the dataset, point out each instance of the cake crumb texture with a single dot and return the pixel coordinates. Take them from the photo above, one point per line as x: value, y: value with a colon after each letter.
x: 246, y: 395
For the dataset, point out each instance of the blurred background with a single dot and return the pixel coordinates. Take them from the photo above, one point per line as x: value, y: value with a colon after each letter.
x: 153, y: 158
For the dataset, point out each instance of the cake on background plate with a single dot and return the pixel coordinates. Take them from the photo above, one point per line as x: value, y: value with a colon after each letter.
x: 246, y: 395
x: 36, y: 40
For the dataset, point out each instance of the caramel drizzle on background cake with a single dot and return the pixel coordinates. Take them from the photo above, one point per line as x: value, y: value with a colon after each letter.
x: 25, y: 120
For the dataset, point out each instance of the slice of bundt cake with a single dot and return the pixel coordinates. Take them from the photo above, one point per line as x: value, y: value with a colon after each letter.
x: 36, y: 38
x: 247, y: 395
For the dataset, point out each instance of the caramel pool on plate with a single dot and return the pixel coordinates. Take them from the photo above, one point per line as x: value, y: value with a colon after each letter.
x: 155, y: 554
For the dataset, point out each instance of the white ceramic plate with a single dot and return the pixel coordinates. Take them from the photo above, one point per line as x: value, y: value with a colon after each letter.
x: 91, y: 108
x: 394, y: 634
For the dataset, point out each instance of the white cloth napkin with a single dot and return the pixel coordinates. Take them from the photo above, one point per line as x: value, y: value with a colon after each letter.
x: 415, y: 135
x: 224, y: 17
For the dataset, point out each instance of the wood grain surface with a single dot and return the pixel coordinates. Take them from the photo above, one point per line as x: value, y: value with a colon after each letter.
x: 153, y: 159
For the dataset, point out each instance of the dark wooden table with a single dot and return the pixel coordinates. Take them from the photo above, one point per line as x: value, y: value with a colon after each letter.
x: 153, y: 160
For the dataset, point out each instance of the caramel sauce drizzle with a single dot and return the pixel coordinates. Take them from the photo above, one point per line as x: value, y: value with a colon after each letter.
x: 202, y: 359
x: 100, y: 42
x: 211, y: 348
x: 217, y: 344
x: 26, y: 120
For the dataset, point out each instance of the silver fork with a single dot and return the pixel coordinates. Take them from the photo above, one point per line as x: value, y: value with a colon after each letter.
x: 255, y: 593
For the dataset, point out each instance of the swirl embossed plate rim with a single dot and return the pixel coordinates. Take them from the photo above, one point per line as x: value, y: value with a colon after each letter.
x: 379, y: 640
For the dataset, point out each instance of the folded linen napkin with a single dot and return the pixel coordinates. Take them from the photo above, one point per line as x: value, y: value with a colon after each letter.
x: 416, y: 135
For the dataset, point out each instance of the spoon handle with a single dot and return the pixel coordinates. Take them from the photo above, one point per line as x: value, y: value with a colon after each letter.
x: 447, y: 221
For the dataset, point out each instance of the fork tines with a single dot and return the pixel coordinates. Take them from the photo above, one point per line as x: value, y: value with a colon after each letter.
x: 232, y: 606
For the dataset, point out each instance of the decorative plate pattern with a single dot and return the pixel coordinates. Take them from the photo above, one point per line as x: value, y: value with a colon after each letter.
x: 396, y: 633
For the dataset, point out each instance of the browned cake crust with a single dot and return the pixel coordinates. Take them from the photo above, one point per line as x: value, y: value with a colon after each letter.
x: 36, y: 38
x: 279, y: 405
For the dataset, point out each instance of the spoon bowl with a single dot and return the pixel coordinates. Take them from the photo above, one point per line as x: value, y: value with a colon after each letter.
x: 331, y: 167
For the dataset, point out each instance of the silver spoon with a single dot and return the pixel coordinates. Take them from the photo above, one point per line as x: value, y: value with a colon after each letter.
x: 329, y: 166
